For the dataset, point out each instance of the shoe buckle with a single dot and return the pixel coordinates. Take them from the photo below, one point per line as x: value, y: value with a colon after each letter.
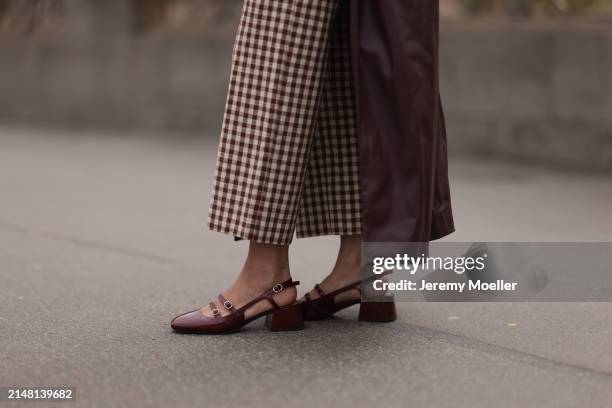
x: 228, y: 305
x: 277, y: 288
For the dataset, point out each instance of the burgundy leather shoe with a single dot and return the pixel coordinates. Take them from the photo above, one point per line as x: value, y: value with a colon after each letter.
x: 277, y: 319
x: 325, y: 305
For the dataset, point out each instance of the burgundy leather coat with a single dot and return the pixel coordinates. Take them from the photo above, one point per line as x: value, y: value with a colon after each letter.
x: 404, y: 167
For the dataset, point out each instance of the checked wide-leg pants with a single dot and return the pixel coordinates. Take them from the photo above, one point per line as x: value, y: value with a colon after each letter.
x: 288, y: 159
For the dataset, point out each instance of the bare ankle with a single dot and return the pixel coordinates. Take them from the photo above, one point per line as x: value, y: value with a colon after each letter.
x: 349, y: 254
x: 266, y: 264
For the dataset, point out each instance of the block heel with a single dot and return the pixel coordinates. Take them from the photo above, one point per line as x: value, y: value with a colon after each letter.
x: 377, y: 312
x: 325, y: 306
x: 287, y: 318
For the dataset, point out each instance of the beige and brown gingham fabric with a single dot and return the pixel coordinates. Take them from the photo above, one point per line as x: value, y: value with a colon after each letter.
x: 288, y: 157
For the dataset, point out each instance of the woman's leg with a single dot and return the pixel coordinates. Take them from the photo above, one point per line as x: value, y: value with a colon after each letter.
x: 270, y: 122
x: 270, y: 119
x: 345, y: 271
x: 265, y: 265
x: 331, y: 197
x: 330, y: 203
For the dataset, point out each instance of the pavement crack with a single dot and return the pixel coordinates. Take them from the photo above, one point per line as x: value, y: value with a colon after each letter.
x: 95, y: 245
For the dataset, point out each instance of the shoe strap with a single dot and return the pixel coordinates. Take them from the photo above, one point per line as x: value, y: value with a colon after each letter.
x: 320, y: 291
x: 229, y: 306
x: 269, y: 295
x: 214, y: 309
x: 356, y: 285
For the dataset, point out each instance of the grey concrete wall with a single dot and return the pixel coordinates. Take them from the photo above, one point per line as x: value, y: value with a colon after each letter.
x: 531, y: 92
x: 534, y: 93
x: 98, y: 72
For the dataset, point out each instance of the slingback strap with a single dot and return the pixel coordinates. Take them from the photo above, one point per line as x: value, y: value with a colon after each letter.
x: 357, y: 285
x: 268, y: 295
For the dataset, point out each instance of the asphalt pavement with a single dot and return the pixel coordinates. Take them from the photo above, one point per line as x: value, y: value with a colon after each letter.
x: 103, y: 241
